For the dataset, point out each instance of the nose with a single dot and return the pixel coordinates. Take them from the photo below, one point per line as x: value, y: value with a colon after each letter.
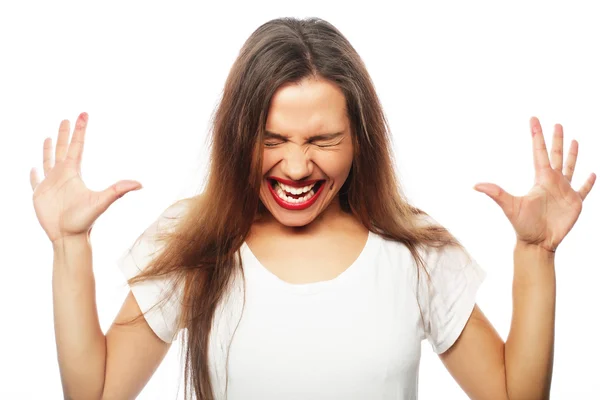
x: 296, y: 163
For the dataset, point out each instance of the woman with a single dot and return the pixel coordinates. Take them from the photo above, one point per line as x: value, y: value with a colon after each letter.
x: 302, y: 272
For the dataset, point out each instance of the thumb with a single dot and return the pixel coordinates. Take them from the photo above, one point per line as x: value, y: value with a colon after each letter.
x: 499, y: 195
x: 114, y: 192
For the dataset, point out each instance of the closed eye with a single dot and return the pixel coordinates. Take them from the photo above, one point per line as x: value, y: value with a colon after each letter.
x: 324, y: 140
x: 325, y: 144
x: 272, y: 144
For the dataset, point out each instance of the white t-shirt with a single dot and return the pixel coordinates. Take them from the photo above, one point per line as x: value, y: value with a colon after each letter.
x: 357, y: 336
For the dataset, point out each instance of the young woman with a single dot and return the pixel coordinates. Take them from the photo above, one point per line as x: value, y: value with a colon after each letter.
x: 301, y: 271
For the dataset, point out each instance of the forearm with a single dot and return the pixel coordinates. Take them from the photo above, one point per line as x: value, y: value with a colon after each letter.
x: 529, y: 349
x: 80, y: 343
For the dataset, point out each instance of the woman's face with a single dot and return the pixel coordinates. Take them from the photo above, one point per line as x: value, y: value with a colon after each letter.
x: 307, y: 151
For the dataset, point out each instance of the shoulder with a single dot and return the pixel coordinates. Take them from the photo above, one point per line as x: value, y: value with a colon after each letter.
x: 151, y: 238
x: 446, y: 256
x: 169, y: 216
x: 449, y: 257
x: 179, y: 208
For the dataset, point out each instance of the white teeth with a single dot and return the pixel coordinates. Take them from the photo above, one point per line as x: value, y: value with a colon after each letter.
x: 281, y: 190
x: 294, y: 190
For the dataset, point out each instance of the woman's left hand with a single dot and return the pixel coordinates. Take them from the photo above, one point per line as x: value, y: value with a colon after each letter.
x: 545, y: 215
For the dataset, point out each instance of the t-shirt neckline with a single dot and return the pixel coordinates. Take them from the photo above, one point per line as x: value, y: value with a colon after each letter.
x: 253, y: 265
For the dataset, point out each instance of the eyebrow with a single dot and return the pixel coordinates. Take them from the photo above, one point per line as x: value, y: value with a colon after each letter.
x: 322, y: 136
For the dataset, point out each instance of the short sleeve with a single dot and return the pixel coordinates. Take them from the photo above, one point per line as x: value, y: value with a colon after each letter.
x: 161, y: 317
x: 449, y: 295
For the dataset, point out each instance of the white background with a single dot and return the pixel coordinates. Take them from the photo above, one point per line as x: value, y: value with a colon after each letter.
x: 458, y: 81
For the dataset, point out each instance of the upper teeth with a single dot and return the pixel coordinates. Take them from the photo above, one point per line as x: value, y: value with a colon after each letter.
x: 295, y: 190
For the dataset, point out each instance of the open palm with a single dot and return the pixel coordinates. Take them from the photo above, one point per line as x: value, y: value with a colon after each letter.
x: 546, y: 214
x: 63, y: 204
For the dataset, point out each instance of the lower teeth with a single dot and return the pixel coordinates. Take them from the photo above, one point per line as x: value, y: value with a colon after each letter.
x: 293, y: 200
x: 288, y: 199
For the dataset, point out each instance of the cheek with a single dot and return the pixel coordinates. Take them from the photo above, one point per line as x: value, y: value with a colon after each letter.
x: 336, y: 166
x: 348, y: 161
x: 269, y: 161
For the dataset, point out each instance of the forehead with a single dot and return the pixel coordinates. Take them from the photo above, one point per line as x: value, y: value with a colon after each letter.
x: 307, y: 107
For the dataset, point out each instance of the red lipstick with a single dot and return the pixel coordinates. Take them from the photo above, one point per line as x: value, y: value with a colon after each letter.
x: 295, y: 206
x: 294, y: 183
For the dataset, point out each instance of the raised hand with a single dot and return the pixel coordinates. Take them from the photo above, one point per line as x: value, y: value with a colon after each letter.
x: 63, y: 204
x: 547, y: 213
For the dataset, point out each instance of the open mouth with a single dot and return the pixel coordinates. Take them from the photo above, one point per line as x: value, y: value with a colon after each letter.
x: 295, y: 197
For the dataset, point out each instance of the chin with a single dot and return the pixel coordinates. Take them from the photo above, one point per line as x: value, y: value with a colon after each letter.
x: 293, y: 221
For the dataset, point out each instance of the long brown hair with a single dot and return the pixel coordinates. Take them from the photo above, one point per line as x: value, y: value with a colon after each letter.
x: 201, y: 255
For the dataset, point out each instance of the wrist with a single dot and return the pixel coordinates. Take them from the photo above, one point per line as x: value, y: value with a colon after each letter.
x: 69, y: 241
x: 70, y: 251
x: 533, y: 250
x: 72, y: 259
x: 533, y: 267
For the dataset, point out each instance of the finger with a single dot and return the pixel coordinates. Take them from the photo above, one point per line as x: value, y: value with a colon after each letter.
x: 556, y: 156
x: 62, y: 142
x: 587, y: 186
x: 48, y: 161
x: 505, y: 200
x: 571, y: 160
x: 75, y: 151
x: 540, y: 152
x: 34, y: 178
x: 114, y: 192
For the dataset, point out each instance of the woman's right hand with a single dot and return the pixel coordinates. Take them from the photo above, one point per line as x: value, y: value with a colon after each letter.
x: 64, y: 206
